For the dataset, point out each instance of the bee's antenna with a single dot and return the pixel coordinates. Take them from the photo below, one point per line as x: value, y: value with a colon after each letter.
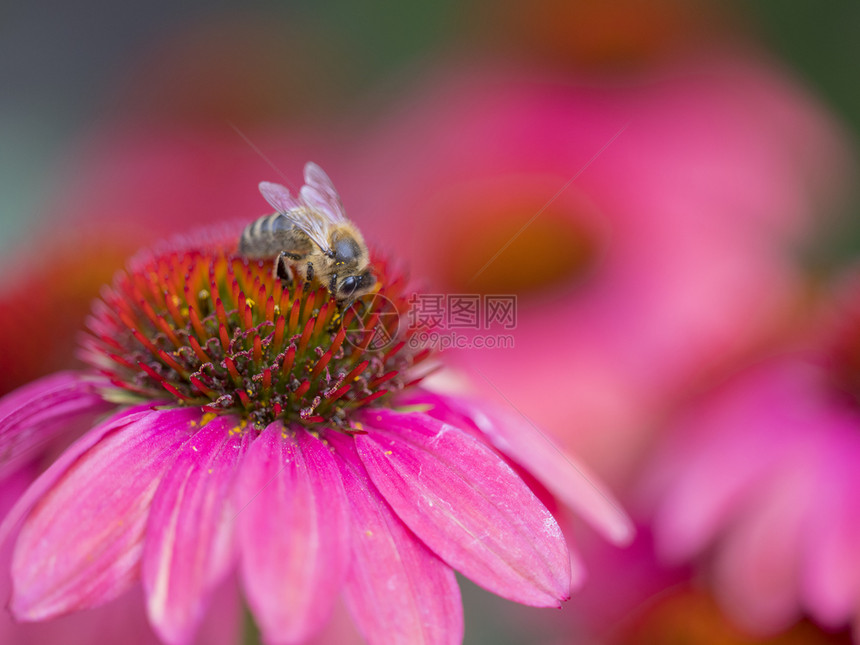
x: 263, y: 156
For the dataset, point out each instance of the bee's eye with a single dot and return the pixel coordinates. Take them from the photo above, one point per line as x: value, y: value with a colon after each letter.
x: 346, y: 250
x: 348, y: 285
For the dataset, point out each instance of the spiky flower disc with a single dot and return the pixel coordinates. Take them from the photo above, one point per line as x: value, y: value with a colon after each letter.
x: 207, y: 328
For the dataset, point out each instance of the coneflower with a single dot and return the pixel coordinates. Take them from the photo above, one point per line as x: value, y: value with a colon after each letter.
x: 249, y: 428
x: 758, y: 482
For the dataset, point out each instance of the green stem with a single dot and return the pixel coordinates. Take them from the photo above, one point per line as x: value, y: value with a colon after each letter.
x: 250, y: 631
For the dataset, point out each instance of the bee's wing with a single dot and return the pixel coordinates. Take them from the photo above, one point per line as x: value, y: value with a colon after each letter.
x: 279, y: 197
x: 281, y: 200
x: 319, y: 193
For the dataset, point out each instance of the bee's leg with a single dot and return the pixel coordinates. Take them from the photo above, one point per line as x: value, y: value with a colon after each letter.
x: 338, y: 316
x: 310, y: 275
x: 360, y: 306
x: 283, y: 271
x: 340, y: 310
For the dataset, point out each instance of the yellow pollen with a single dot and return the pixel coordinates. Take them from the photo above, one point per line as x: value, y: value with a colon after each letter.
x: 175, y: 300
x: 238, y: 429
x: 250, y: 302
x: 206, y: 418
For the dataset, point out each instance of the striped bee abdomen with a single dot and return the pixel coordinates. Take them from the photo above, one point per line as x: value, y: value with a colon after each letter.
x: 269, y: 235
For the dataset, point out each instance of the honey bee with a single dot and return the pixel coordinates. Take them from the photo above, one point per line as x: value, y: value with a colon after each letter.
x: 311, y: 235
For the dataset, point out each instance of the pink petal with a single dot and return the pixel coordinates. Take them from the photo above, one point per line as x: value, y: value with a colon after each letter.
x: 293, y: 523
x: 64, y: 461
x: 467, y: 505
x: 728, y: 446
x: 716, y: 472
x: 758, y: 567
x: 33, y: 415
x: 397, y: 590
x: 831, y: 573
x: 81, y: 544
x: 562, y: 474
x: 14, y: 484
x: 123, y: 621
x: 189, y: 537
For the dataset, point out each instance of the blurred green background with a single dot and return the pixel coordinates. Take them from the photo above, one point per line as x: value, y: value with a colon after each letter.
x: 66, y: 68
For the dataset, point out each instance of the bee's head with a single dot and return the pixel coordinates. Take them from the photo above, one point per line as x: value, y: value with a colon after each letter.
x: 355, y: 286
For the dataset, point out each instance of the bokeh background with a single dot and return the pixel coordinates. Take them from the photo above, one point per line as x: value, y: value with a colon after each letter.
x: 685, y: 168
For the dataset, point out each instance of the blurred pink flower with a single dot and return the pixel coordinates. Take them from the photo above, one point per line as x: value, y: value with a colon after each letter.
x: 245, y: 432
x: 137, y: 181
x: 34, y: 341
x: 759, y: 484
x: 689, y: 615
x: 646, y: 223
